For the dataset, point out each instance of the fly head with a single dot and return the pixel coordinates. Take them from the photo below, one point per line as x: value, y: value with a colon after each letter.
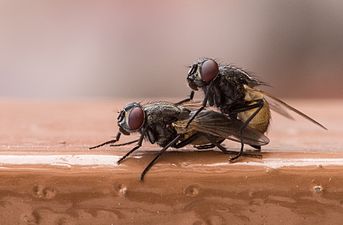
x: 131, y: 118
x: 202, y: 73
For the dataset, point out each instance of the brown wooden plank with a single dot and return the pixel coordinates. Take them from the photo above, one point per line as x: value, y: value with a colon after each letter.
x: 298, y: 181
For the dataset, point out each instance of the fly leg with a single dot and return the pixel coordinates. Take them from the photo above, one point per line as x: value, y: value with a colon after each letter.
x: 176, y: 139
x: 140, y: 140
x: 123, y: 144
x: 187, y: 141
x: 204, y: 103
x: 225, y: 151
x: 189, y: 98
x: 139, y: 144
x: 215, y: 143
x: 259, y: 104
x: 208, y: 146
x: 108, y: 142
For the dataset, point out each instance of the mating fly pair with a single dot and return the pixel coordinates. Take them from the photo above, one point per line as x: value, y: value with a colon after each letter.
x: 245, y: 114
x: 166, y: 124
x: 234, y: 92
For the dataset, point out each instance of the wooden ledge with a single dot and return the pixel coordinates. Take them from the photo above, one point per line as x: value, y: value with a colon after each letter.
x: 48, y: 175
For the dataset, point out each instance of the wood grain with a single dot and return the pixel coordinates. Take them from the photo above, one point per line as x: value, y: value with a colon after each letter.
x: 298, y: 181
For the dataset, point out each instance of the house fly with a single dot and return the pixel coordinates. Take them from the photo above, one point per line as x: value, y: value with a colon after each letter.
x: 165, y: 124
x: 234, y: 91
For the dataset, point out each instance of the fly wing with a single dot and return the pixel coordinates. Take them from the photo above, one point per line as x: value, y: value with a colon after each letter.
x: 195, y: 105
x: 284, y: 104
x: 276, y: 107
x: 192, y: 104
x: 217, y: 124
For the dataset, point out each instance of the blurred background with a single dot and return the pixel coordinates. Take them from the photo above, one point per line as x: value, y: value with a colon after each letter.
x: 80, y: 49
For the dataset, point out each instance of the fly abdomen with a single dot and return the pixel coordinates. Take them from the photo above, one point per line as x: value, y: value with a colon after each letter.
x: 262, y: 119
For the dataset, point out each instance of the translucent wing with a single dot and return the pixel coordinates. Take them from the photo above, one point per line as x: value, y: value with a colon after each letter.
x: 192, y: 104
x: 284, y: 104
x: 217, y: 124
x: 276, y: 107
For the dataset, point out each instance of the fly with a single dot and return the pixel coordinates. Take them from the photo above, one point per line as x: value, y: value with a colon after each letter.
x: 234, y: 92
x: 165, y: 124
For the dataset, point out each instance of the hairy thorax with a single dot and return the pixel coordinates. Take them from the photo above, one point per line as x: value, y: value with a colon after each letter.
x: 225, y: 93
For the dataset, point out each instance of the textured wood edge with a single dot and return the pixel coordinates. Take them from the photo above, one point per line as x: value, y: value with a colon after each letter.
x: 183, y: 188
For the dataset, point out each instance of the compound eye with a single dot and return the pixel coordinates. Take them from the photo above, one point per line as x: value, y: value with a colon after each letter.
x: 209, y: 70
x: 136, y: 118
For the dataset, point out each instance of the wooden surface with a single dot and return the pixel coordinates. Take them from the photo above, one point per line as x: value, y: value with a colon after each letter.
x: 48, y: 175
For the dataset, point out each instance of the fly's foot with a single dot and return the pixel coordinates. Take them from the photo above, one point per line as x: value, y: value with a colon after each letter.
x: 251, y: 154
x: 121, y: 160
x: 235, y: 158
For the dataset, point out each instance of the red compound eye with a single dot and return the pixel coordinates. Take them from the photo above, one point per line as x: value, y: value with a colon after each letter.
x: 209, y: 70
x: 136, y: 118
